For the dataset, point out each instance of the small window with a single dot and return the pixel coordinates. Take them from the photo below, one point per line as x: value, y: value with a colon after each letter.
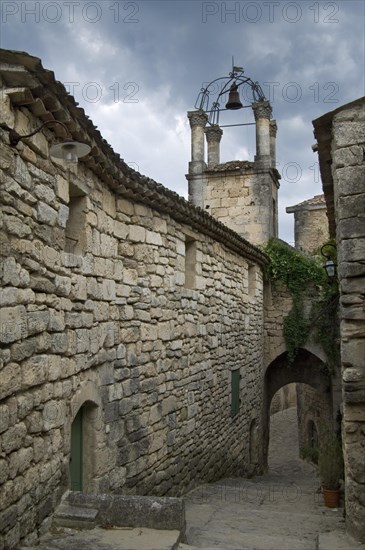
x: 251, y: 280
x: 190, y: 263
x: 235, y: 391
x: 76, y: 223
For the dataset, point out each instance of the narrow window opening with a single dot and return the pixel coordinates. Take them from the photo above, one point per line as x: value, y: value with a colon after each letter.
x: 190, y: 263
x: 76, y: 223
x: 251, y: 280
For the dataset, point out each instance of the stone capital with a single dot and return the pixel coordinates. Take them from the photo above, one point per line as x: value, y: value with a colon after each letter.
x: 273, y: 128
x: 262, y: 109
x: 214, y: 133
x: 197, y: 118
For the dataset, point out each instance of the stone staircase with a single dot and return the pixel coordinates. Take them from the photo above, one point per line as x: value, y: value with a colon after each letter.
x: 75, y: 517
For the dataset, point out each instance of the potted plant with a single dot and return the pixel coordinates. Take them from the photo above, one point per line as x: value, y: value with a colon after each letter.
x: 330, y: 465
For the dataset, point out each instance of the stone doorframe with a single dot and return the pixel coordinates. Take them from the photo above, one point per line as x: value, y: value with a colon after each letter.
x: 307, y: 369
x: 88, y: 398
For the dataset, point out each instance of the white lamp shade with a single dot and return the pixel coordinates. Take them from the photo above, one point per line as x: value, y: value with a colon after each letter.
x: 330, y: 268
x: 70, y: 151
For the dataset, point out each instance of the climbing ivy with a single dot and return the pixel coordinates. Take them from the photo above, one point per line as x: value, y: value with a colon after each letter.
x: 306, y: 280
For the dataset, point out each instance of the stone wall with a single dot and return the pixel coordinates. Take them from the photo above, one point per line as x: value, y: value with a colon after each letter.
x: 314, y: 415
x: 243, y: 197
x: 98, y: 315
x: 341, y: 147
x: 278, y: 302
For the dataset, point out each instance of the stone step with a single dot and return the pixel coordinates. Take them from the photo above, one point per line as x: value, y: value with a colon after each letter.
x: 75, y: 517
x: 251, y: 541
x: 115, y: 538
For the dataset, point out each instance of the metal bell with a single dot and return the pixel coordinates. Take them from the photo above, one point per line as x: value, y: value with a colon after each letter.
x: 234, y: 101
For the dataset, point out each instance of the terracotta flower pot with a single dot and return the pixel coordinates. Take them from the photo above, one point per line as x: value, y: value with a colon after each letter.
x: 331, y: 497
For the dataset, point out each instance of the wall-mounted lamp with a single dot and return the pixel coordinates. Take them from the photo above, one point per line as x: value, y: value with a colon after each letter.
x: 68, y: 150
x: 329, y: 265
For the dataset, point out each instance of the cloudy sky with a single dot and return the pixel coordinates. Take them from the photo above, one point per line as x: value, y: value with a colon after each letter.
x: 137, y: 66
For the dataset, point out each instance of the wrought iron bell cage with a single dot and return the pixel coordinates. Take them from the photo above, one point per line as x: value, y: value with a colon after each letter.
x: 233, y: 82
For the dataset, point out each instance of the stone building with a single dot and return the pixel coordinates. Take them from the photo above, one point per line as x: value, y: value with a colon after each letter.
x: 239, y: 193
x: 310, y: 223
x: 139, y: 350
x: 131, y: 324
x: 341, y: 150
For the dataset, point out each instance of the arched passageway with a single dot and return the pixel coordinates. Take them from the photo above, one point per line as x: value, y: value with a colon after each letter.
x: 307, y: 369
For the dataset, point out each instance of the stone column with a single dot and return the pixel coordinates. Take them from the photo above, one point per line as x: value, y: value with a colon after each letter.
x: 197, y: 166
x: 213, y: 134
x: 198, y: 120
x: 273, y: 130
x: 262, y: 111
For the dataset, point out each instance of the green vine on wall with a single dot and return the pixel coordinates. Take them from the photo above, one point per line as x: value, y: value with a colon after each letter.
x: 307, y: 282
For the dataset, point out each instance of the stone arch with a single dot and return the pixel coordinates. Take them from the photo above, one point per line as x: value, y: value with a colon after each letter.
x: 307, y: 369
x: 86, y: 413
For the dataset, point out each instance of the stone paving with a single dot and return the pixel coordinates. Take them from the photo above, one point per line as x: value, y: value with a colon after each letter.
x: 282, y: 510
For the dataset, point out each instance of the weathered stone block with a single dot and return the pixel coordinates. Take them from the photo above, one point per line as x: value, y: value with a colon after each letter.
x: 16, y: 227
x: 44, y: 193
x: 62, y: 188
x: 62, y: 285
x: 351, y: 206
x: 14, y: 274
x: 137, y: 233
x: 153, y: 238
x: 108, y: 290
x: 25, y: 405
x: 79, y: 287
x: 168, y: 405
x: 56, y: 320
x: 130, y: 277
x: 53, y: 415
x: 349, y: 132
x: 125, y: 206
x: 37, y: 321
x: 4, y: 470
x: 22, y: 350
x: 353, y: 249
x: 22, y: 174
x: 4, y: 418
x: 13, y: 438
x: 46, y: 214
x: 351, y: 228
x: 34, y: 371
x: 13, y: 324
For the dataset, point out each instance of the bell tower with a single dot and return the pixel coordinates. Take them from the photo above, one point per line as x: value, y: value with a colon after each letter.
x: 242, y: 194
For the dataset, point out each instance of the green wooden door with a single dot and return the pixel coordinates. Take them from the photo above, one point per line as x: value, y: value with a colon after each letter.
x: 235, y: 391
x: 76, y: 453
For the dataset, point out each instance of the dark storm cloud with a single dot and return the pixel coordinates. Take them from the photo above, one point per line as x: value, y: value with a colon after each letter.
x: 137, y: 67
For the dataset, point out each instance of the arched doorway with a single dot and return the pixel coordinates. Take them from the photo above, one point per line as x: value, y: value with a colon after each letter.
x: 307, y: 369
x: 83, y: 444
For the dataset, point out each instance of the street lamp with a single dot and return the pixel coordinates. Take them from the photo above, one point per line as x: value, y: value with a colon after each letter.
x: 329, y: 265
x: 68, y: 150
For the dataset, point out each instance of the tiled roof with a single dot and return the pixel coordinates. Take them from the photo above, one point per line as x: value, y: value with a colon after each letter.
x: 28, y: 84
x: 315, y: 203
